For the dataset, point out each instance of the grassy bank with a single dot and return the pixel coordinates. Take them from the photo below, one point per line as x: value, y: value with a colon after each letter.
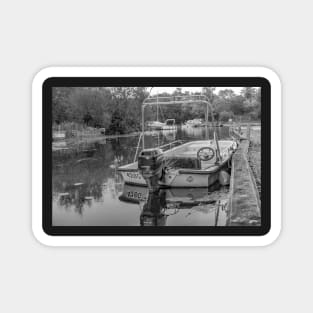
x: 76, y: 134
x: 254, y: 156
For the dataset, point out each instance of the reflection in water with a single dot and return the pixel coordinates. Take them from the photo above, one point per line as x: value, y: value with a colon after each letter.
x: 197, y: 132
x: 153, y: 212
x: 158, y: 205
x: 170, y: 135
x: 88, y: 190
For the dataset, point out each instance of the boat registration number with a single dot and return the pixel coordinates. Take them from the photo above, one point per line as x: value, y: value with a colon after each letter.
x: 133, y: 175
x: 136, y: 195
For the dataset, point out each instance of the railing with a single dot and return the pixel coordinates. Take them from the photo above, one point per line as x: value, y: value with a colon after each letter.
x: 137, y: 149
x: 176, y: 99
x: 171, y: 144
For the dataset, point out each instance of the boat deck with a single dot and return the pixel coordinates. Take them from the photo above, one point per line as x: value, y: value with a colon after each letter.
x: 188, y: 151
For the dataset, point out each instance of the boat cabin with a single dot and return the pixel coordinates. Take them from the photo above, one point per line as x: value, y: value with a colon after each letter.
x: 170, y: 122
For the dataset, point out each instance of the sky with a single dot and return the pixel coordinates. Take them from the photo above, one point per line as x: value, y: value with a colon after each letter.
x: 157, y: 90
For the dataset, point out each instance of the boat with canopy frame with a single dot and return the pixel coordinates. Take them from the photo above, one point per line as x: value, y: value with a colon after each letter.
x: 192, y: 164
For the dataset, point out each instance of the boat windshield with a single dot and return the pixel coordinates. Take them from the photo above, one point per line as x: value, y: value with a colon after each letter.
x: 170, y: 122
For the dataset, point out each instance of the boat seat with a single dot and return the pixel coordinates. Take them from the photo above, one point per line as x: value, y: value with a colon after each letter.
x: 206, y: 166
x: 130, y: 166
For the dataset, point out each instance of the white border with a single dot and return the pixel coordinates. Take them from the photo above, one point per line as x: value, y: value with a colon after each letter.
x: 152, y: 240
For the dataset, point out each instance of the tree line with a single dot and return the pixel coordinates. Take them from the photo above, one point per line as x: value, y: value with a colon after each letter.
x: 118, y: 109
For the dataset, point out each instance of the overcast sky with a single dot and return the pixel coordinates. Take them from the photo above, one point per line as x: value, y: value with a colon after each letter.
x: 157, y: 90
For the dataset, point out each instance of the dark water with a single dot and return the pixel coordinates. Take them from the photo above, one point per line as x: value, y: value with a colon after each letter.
x: 88, y: 190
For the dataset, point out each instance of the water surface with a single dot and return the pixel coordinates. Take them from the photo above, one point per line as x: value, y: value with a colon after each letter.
x: 88, y: 190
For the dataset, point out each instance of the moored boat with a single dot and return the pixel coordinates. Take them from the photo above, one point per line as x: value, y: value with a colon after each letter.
x: 169, y: 124
x: 58, y: 135
x: 193, y: 123
x: 155, y: 125
x: 192, y: 164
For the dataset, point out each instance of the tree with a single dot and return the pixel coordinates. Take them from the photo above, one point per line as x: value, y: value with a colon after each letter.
x: 237, y: 105
x: 209, y: 92
x: 90, y: 107
x: 60, y: 103
x: 249, y: 93
x: 224, y: 116
x: 118, y: 109
x: 178, y: 91
x: 126, y: 108
x: 226, y: 94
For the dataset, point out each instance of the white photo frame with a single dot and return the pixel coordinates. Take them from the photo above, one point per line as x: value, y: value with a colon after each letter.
x: 231, y: 240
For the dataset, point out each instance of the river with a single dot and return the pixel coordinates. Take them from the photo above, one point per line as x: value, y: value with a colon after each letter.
x: 89, y: 191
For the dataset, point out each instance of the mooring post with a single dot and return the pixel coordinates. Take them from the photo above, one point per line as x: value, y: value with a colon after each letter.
x: 248, y: 132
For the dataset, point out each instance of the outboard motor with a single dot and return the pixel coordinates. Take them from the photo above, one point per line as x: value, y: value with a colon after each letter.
x: 150, y: 165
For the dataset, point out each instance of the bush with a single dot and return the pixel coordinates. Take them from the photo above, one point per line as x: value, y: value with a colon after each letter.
x: 225, y: 116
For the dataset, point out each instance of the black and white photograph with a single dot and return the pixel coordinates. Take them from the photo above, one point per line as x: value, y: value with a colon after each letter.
x: 156, y: 156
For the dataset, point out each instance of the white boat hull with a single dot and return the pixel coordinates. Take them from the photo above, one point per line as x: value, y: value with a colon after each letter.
x: 180, y: 177
x: 191, y: 180
x: 133, y: 178
x: 58, y: 136
x: 174, y: 179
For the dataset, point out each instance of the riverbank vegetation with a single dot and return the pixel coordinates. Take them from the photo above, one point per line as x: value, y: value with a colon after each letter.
x: 118, y: 109
x: 254, y: 156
